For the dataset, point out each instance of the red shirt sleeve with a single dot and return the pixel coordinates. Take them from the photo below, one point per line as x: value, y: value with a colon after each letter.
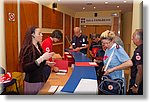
x: 47, y: 46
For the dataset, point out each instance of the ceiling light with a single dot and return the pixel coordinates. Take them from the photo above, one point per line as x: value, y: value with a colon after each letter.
x: 94, y: 7
x: 106, y: 2
x: 124, y: 1
x: 114, y: 14
x: 117, y: 6
x: 83, y: 8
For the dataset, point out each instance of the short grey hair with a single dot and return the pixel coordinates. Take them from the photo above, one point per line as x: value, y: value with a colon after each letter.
x: 139, y: 34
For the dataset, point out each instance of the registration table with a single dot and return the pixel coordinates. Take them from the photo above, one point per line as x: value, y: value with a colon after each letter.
x: 78, y: 80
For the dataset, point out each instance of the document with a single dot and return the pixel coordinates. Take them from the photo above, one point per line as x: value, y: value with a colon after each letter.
x: 52, y: 89
x: 93, y: 63
x: 87, y: 86
x: 60, y: 73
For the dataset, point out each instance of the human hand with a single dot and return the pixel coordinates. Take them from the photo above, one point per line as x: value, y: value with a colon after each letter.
x: 70, y: 47
x: 47, y: 55
x: 108, y: 71
x: 134, y: 89
x: 51, y: 64
x: 95, y: 60
x: 55, y: 69
x: 77, y: 49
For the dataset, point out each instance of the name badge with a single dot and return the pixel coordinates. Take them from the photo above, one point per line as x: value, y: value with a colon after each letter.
x: 73, y: 43
x: 83, y: 44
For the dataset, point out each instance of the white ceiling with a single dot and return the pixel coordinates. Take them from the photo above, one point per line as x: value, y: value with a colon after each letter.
x: 77, y: 5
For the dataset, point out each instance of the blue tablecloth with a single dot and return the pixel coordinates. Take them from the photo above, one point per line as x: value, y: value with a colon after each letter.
x: 79, y: 72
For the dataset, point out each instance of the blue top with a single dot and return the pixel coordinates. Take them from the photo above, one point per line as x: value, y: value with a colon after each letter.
x: 119, y: 57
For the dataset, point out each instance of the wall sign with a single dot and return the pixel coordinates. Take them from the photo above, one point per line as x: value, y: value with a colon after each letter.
x: 11, y: 17
x: 100, y: 20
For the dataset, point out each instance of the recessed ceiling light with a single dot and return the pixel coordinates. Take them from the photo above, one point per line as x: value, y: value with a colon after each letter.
x: 117, y: 6
x: 124, y: 1
x: 83, y: 8
x: 58, y: 0
x: 94, y: 7
x: 106, y: 2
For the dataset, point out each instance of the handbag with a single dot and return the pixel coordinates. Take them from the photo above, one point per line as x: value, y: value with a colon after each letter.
x: 110, y: 86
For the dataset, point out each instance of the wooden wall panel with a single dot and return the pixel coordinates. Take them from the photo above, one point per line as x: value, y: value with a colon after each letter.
x: 51, y: 18
x: 58, y: 49
x: 11, y: 36
x: 101, y: 28
x: 67, y: 30
x: 29, y: 16
x: 73, y: 26
x: 77, y: 22
x: 46, y: 17
x: 115, y: 25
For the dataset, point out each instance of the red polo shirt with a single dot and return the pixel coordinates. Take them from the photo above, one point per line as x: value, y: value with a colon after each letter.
x: 47, y: 45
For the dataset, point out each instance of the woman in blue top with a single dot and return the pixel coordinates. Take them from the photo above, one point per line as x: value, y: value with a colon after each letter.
x: 120, y: 60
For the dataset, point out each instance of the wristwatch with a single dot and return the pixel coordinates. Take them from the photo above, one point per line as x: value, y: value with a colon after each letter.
x: 135, y: 85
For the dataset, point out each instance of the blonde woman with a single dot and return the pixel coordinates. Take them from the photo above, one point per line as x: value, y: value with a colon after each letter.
x: 119, y: 60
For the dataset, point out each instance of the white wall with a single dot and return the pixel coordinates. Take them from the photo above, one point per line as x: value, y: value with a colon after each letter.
x: 127, y: 30
x: 136, y: 21
x: 2, y: 36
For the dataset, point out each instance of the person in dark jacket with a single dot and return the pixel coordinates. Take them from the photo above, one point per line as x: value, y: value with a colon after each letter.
x: 79, y: 41
x: 136, y: 81
x: 33, y: 61
x: 95, y: 45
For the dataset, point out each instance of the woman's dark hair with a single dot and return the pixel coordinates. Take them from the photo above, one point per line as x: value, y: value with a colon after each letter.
x: 57, y: 34
x: 27, y: 45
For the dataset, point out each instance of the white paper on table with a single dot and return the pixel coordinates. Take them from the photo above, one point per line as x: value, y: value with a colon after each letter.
x: 93, y: 63
x: 52, y: 89
x: 63, y: 71
x: 60, y: 73
x: 87, y: 86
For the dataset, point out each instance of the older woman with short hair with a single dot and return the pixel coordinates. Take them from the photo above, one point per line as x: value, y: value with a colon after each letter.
x: 120, y: 60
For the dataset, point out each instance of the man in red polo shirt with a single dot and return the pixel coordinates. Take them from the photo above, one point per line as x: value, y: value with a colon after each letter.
x: 47, y: 44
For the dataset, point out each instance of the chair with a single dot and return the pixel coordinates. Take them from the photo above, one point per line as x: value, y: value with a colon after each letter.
x: 5, y: 85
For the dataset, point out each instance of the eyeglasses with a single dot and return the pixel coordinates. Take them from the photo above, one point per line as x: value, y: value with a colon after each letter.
x: 106, y: 43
